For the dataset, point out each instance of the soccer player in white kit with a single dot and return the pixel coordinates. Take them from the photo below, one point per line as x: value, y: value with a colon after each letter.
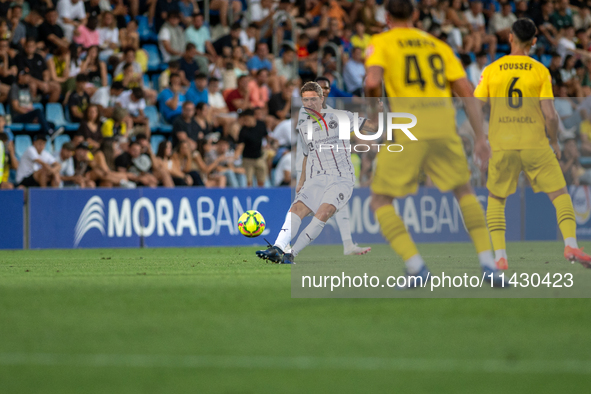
x: 327, y: 179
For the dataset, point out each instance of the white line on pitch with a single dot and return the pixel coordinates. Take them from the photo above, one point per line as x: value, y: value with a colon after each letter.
x: 299, y: 363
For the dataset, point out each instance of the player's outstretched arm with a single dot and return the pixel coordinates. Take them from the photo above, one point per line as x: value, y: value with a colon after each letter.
x: 373, y: 81
x: 551, y: 117
x: 463, y: 89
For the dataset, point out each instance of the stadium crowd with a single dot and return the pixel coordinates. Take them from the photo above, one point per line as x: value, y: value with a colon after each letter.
x: 134, y: 93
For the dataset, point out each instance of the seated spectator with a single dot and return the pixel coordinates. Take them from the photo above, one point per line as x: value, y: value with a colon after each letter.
x: 94, y: 69
x: 566, y: 43
x: 198, y: 93
x: 115, y: 126
x: 354, y: 73
x: 184, y: 126
x: 190, y: 162
x: 160, y: 172
x: 569, y: 77
x: 569, y: 163
x: 209, y: 163
x: 223, y: 164
x: 10, y: 161
x: 102, y: 167
x: 215, y: 99
x: 238, y: 62
x: 205, y: 121
x: 187, y: 63
x: 284, y: 69
x: 474, y: 70
x: 248, y: 39
x: 549, y: 34
x: 198, y: 34
x: 34, y: 64
x: 562, y: 17
x: 73, y: 172
x: 166, y: 158
x: 8, y: 70
x: 239, y: 97
x: 71, y: 15
x: 92, y: 8
x: 19, y: 32
x: 90, y: 127
x: 250, y: 147
x: 260, y: 60
x: 106, y: 97
x: 228, y: 41
x: 282, y: 133
x: 360, y: 39
x: 108, y: 35
x: 79, y: 100
x: 174, y: 67
x: 582, y: 19
x: 87, y: 35
x: 136, y: 165
x: 501, y: 22
x: 129, y: 57
x: 259, y: 91
x: 128, y: 78
x: 280, y: 103
x: 51, y: 33
x: 21, y: 104
x: 37, y: 167
x: 477, y: 23
x: 554, y: 69
x: 170, y: 100
x: 130, y: 38
x: 171, y: 38
x: 283, y: 170
x: 458, y: 19
x: 134, y: 103
x: 368, y: 16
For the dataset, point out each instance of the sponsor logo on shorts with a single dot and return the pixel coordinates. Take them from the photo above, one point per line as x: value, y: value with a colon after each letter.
x: 341, y: 196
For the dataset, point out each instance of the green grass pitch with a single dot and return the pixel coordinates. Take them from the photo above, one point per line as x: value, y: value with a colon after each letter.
x: 219, y: 320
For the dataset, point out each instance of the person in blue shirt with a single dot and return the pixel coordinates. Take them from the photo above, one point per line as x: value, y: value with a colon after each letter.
x: 170, y: 100
x: 354, y: 73
x: 197, y: 92
x: 260, y: 60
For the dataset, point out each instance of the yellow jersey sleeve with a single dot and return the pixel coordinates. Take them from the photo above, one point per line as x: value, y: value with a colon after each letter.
x: 546, y: 90
x: 375, y: 55
x: 482, y: 91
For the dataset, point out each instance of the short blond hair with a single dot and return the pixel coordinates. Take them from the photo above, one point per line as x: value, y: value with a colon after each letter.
x: 312, y: 86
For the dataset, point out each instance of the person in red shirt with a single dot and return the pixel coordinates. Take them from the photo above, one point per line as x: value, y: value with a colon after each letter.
x: 238, y: 98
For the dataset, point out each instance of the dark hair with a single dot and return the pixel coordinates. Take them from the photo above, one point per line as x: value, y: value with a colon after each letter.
x: 190, y: 45
x: 323, y: 33
x: 141, y: 136
x: 200, y: 75
x: 161, y: 149
x: 320, y: 79
x: 174, y: 14
x: 117, y: 85
x: 127, y: 65
x: 253, y: 25
x: 287, y: 48
x: 401, y: 9
x: 81, y: 78
x: 465, y: 59
x: 174, y: 64
x: 47, y: 11
x: 138, y: 93
x: 524, y: 29
x: 200, y: 106
x: 128, y: 49
x: 260, y: 71
x: 86, y: 119
x: 236, y: 26
x: 246, y: 112
x: 174, y: 75
x: 213, y: 79
x: 566, y: 59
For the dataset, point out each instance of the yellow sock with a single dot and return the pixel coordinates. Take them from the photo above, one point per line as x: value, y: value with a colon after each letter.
x: 394, y: 231
x: 565, y: 214
x: 495, y: 217
x: 475, y: 223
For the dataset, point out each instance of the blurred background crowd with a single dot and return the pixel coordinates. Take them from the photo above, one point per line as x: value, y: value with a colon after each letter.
x: 128, y: 93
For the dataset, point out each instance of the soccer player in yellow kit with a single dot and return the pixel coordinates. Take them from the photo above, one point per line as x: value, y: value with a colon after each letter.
x: 519, y: 89
x: 424, y: 71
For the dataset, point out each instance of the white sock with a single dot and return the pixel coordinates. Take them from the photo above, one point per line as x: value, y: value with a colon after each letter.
x: 500, y: 253
x: 486, y: 259
x: 572, y: 242
x: 342, y: 218
x: 290, y: 226
x: 308, y: 235
x: 414, y: 264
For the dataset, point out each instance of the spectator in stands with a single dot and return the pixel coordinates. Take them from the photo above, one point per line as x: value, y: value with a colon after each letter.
x: 106, y: 97
x: 198, y: 93
x: 90, y: 127
x: 171, y: 38
x: 282, y: 133
x: 582, y: 19
x: 569, y: 76
x: 569, y: 163
x: 21, y: 104
x: 476, y: 20
x: 223, y: 160
x: 360, y: 39
x: 250, y: 147
x: 37, y: 167
x: 170, y: 100
x: 562, y: 17
x: 115, y: 126
x: 284, y: 69
x: 248, y: 39
x: 129, y: 78
x: 280, y: 103
x: 258, y: 89
x: 188, y: 64
x: 239, y: 97
x: 475, y: 69
x: 17, y: 29
x: 566, y: 43
x: 8, y: 70
x: 166, y: 158
x: 542, y: 18
x: 51, y: 33
x: 134, y: 103
x: 92, y: 8
x: 260, y: 60
x: 87, y: 35
x: 58, y: 65
x: 158, y: 169
x: 72, y: 172
x: 185, y: 128
x: 129, y: 56
x: 71, y: 15
x: 228, y: 41
x: 354, y: 73
x: 501, y: 22
x: 203, y: 118
x: 136, y: 166
x: 190, y: 162
x: 79, y: 100
x: 102, y: 167
x: 199, y: 35
x: 215, y: 99
x: 211, y: 162
x: 261, y: 15
x: 34, y: 64
x: 174, y: 67
x: 554, y: 69
x: 283, y: 169
x: 108, y: 35
x: 10, y: 161
x: 94, y: 69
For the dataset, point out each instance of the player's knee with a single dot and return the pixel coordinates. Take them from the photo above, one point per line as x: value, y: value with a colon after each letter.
x: 378, y: 201
x: 557, y: 193
x: 500, y: 199
x: 463, y: 190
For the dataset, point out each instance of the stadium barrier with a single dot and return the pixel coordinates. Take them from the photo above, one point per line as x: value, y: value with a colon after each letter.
x: 186, y: 217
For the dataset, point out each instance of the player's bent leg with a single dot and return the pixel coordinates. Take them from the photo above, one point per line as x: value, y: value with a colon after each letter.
x: 495, y: 217
x: 565, y: 215
x: 311, y: 232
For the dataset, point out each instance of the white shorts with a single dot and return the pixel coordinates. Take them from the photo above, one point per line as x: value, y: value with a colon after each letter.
x: 325, y: 189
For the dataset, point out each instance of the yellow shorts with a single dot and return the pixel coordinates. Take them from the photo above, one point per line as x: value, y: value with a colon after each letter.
x: 539, y: 165
x: 397, y: 174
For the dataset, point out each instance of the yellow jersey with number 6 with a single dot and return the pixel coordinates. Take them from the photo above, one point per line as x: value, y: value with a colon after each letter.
x: 419, y: 68
x: 515, y: 85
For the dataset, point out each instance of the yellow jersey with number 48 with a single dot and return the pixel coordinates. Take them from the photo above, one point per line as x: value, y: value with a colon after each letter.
x: 515, y: 85
x: 418, y: 69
